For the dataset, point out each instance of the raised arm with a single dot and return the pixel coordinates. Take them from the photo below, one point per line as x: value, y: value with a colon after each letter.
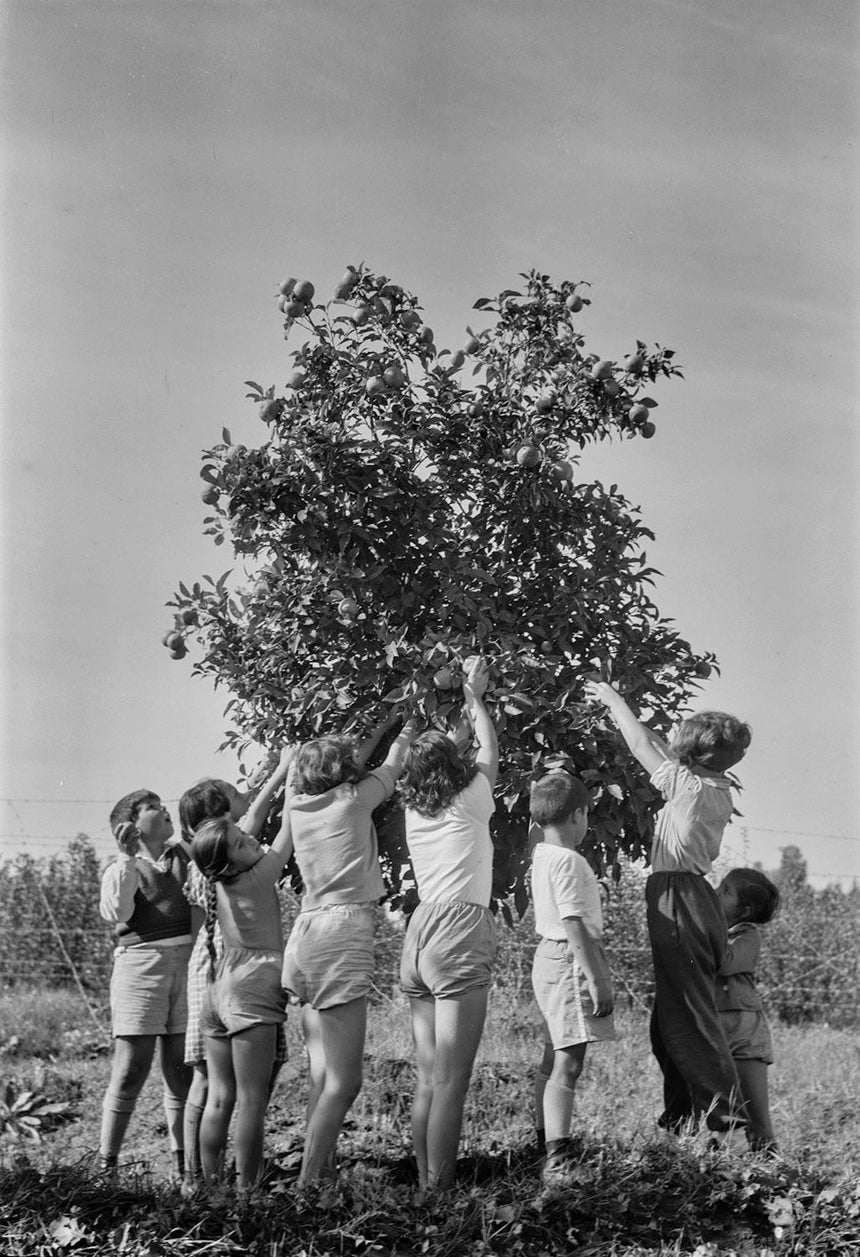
x: 368, y: 745
x: 253, y: 820
x: 400, y: 745
x: 283, y: 842
x: 474, y: 688
x: 644, y: 745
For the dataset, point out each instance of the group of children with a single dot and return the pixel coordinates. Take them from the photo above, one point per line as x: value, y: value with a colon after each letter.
x: 215, y: 1004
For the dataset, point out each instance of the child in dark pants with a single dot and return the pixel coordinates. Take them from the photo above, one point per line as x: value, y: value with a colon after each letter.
x: 686, y: 925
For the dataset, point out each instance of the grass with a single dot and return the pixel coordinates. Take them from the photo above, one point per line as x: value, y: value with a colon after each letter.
x: 636, y: 1194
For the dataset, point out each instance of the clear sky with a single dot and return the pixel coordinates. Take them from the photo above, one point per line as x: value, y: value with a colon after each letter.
x: 165, y: 165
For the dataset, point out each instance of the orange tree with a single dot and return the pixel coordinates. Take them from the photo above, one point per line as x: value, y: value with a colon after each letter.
x: 409, y: 507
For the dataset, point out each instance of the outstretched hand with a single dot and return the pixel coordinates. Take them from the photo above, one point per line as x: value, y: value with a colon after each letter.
x: 600, y: 692
x: 477, y: 679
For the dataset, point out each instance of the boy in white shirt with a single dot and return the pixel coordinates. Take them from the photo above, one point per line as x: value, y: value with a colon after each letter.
x: 570, y: 976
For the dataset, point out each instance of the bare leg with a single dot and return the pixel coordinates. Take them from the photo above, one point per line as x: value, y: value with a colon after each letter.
x: 253, y: 1054
x: 424, y: 1039
x: 342, y: 1031
x: 131, y: 1064
x: 753, y: 1079
x: 316, y: 1057
x: 220, y: 1100
x: 459, y: 1026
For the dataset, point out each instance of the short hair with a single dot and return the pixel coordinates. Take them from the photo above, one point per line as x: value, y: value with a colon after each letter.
x: 203, y: 801
x: 555, y: 797
x: 757, y: 894
x: 325, y: 763
x: 434, y: 773
x: 711, y: 739
x: 209, y: 850
x: 129, y: 806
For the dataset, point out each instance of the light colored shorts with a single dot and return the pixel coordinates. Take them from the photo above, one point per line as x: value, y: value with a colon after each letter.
x: 246, y: 993
x: 199, y: 978
x: 562, y: 995
x: 148, y: 990
x: 329, y: 958
x: 449, y: 949
x: 748, y: 1033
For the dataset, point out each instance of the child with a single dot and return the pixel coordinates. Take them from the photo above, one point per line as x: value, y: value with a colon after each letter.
x: 207, y: 800
x: 685, y: 923
x: 141, y: 894
x: 748, y: 899
x: 570, y: 976
x: 450, y: 942
x: 329, y: 960
x: 244, y: 1003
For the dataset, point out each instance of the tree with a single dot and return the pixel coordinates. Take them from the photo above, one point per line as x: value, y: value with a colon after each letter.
x: 397, y: 519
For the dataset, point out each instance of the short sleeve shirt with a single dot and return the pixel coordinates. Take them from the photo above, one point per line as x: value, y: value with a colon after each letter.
x: 249, y: 911
x: 690, y: 825
x: 564, y: 886
x: 452, y: 852
x: 335, y: 841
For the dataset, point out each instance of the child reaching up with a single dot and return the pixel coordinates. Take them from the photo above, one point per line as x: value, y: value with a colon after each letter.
x: 207, y: 800
x: 244, y: 1002
x: 450, y: 944
x: 748, y: 899
x: 329, y: 961
x: 686, y: 926
x: 570, y: 976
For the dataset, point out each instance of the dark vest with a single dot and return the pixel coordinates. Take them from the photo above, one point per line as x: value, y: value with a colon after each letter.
x: 160, y: 907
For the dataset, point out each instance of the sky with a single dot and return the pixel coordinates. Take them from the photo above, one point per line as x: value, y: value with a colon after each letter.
x: 165, y: 165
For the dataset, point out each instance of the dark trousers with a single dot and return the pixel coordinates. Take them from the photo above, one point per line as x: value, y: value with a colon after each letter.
x: 688, y: 942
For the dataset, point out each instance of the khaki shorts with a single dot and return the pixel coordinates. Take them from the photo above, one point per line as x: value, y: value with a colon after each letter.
x: 329, y: 958
x: 449, y: 949
x: 148, y: 990
x: 562, y: 995
x: 246, y: 992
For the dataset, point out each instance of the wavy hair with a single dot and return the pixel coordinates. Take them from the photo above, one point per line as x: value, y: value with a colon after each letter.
x: 712, y: 740
x: 434, y: 773
x: 325, y: 763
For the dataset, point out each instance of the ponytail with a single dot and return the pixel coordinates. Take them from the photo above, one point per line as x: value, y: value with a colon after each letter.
x: 210, y: 923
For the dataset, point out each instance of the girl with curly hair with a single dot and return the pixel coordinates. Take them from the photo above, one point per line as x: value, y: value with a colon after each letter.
x: 450, y: 943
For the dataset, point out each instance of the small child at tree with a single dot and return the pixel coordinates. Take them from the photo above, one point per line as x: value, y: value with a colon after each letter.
x: 686, y: 926
x: 142, y: 896
x: 748, y: 899
x: 570, y: 975
x: 207, y: 800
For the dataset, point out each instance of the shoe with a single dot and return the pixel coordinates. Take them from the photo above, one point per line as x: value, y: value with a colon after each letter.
x: 561, y: 1170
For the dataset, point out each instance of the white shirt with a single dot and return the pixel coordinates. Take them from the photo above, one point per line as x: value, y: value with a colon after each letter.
x: 564, y: 886
x: 452, y: 853
x: 690, y: 826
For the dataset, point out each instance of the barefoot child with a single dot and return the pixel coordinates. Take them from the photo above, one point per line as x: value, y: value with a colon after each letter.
x: 450, y: 944
x: 685, y: 923
x: 570, y: 976
x: 244, y: 1002
x: 207, y: 800
x: 329, y: 961
x: 748, y: 899
x: 142, y: 895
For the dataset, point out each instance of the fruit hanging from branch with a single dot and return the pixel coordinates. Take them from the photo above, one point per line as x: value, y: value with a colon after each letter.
x: 404, y: 514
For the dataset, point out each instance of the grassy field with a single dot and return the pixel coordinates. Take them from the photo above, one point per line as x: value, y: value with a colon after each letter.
x: 637, y: 1192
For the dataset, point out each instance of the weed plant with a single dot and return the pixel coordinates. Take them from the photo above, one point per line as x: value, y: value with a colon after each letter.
x: 636, y: 1192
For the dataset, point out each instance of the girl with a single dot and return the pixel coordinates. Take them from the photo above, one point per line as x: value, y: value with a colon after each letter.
x: 748, y: 899
x: 685, y: 923
x: 244, y: 1003
x: 450, y: 943
x: 207, y: 800
x: 329, y: 961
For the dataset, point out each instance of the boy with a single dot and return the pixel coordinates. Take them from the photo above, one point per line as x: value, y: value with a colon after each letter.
x: 142, y: 895
x: 570, y: 976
